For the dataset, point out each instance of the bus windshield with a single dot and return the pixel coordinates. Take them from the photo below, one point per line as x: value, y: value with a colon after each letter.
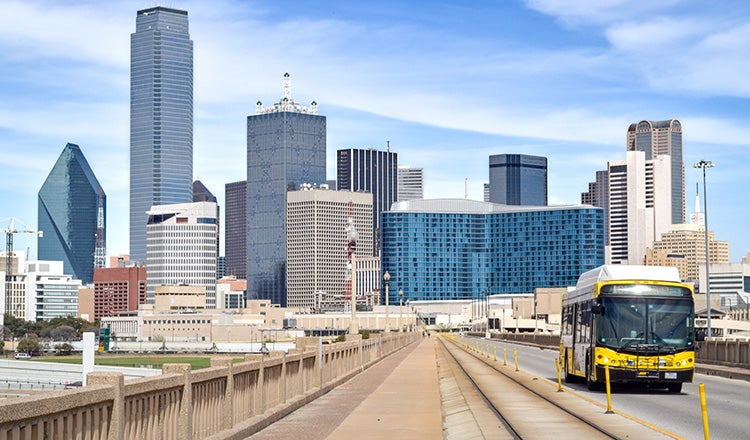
x: 638, y: 324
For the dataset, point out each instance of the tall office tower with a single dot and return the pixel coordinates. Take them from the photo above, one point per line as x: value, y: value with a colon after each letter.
x: 181, y: 248
x: 372, y: 171
x: 68, y: 207
x: 118, y: 289
x: 410, y: 183
x: 486, y: 191
x: 202, y: 194
x: 663, y: 138
x: 235, y: 229
x: 640, y: 207
x: 518, y: 179
x: 598, y: 195
x: 161, y: 117
x: 286, y: 147
x: 317, y: 241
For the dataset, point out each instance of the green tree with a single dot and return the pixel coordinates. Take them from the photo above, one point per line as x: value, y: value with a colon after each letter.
x: 28, y: 345
x: 64, y: 348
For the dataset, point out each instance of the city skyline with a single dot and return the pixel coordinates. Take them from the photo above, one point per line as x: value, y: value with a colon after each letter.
x: 562, y: 82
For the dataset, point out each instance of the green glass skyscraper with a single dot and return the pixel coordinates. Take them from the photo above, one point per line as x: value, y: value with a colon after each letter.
x: 68, y: 206
x: 161, y: 117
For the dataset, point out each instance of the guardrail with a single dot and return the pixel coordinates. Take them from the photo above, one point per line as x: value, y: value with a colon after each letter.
x: 226, y: 401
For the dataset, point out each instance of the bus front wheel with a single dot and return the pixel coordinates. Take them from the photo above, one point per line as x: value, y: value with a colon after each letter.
x: 591, y: 384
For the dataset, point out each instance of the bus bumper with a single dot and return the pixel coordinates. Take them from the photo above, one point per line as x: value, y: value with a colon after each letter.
x: 632, y: 375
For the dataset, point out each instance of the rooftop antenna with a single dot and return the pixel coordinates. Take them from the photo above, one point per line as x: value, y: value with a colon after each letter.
x: 388, y: 146
x: 466, y: 188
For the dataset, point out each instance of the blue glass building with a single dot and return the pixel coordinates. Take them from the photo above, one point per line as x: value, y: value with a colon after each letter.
x: 161, y: 117
x: 450, y: 249
x: 68, y: 207
x: 518, y: 179
x: 286, y: 147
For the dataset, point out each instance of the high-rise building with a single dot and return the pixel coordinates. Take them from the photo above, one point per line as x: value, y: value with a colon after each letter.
x: 689, y: 241
x: 317, y: 241
x: 118, y: 289
x: 286, y: 147
x: 235, y: 228
x: 69, y: 204
x: 202, y: 194
x: 410, y: 183
x: 663, y: 138
x: 486, y: 191
x: 640, y: 208
x: 450, y: 249
x: 161, y: 117
x: 598, y: 195
x: 181, y: 248
x: 518, y: 179
x: 373, y: 171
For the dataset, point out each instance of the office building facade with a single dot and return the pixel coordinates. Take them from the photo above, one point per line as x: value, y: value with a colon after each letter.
x: 598, y: 195
x: 410, y: 183
x: 286, y: 147
x: 449, y: 249
x: 689, y: 241
x: 372, y: 171
x: 161, y: 117
x: 317, y: 242
x: 118, y: 289
x: 518, y: 179
x: 181, y: 248
x: 69, y: 204
x: 235, y: 229
x: 50, y: 293
x: 663, y: 138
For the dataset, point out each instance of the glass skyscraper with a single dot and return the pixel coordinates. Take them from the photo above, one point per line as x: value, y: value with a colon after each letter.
x: 452, y: 249
x: 373, y: 171
x: 161, y: 117
x: 235, y: 228
x: 518, y: 179
x: 286, y: 147
x: 68, y: 208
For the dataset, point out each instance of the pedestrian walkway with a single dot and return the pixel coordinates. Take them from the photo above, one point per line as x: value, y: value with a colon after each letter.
x: 397, y: 398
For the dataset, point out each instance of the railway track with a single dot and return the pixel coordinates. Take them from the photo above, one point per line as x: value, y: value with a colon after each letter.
x: 504, y: 403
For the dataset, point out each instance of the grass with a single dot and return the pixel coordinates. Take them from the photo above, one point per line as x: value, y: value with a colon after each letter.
x: 154, y: 360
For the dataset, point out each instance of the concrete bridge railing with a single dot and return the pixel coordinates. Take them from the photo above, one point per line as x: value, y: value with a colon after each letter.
x: 226, y: 401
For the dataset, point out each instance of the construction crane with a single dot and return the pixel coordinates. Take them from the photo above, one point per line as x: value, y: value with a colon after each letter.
x: 10, y: 231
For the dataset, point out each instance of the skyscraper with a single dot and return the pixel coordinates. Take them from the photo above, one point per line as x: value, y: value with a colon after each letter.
x: 286, y: 147
x: 68, y: 208
x: 663, y: 138
x: 161, y: 117
x: 372, y: 171
x: 598, y: 195
x: 410, y: 183
x: 202, y: 194
x: 518, y: 179
x: 235, y: 228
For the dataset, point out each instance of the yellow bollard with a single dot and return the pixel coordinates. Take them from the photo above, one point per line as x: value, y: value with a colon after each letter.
x: 704, y: 412
x: 559, y: 380
x: 494, y: 352
x: 505, y: 353
x: 515, y: 358
x: 609, y: 394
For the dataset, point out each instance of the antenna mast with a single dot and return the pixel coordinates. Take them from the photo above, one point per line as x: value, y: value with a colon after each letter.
x: 100, y: 251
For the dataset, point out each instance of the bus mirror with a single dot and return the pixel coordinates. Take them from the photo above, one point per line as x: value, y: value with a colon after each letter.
x: 597, y: 309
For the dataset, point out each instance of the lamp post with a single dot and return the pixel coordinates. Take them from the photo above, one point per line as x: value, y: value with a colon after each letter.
x: 400, y: 307
x: 387, y: 279
x: 703, y: 164
x: 351, y: 236
x: 408, y: 316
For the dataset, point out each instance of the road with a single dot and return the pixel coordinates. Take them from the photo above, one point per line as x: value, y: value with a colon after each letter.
x: 678, y: 413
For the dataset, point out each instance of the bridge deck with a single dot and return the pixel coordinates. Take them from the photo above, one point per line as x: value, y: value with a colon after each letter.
x: 398, y: 398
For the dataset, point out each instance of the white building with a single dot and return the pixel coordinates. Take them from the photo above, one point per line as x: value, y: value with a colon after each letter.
x: 49, y: 292
x: 640, y: 206
x: 316, y: 250
x: 181, y: 247
x: 730, y: 281
x: 410, y: 183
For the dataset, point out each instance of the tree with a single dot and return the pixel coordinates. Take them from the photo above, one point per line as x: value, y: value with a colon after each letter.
x: 63, y: 333
x: 64, y: 348
x: 28, y: 345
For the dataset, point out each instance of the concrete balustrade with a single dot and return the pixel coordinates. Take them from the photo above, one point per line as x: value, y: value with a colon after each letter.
x: 228, y: 400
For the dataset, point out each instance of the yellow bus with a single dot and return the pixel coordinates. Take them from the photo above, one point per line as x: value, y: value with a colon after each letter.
x: 639, y: 320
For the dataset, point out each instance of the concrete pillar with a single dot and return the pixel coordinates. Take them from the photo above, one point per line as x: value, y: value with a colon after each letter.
x: 117, y: 382
x: 228, y: 404
x: 185, y: 421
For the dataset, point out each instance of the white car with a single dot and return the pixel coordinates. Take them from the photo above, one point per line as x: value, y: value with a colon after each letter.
x: 20, y: 356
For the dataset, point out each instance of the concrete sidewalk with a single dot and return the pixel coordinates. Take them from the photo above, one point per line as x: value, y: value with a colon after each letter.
x: 397, y: 398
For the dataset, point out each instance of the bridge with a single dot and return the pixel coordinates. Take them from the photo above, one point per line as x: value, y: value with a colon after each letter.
x: 398, y: 385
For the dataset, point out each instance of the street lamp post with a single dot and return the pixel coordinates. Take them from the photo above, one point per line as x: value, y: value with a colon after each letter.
x: 351, y: 236
x: 400, y: 307
x: 387, y: 279
x: 703, y: 164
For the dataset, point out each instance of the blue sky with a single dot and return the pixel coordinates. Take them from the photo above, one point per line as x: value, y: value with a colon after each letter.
x: 448, y: 83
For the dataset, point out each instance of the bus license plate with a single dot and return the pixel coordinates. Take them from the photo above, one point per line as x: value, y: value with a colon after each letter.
x: 670, y: 375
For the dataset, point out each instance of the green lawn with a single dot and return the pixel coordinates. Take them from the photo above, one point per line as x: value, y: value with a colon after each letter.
x: 155, y: 360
